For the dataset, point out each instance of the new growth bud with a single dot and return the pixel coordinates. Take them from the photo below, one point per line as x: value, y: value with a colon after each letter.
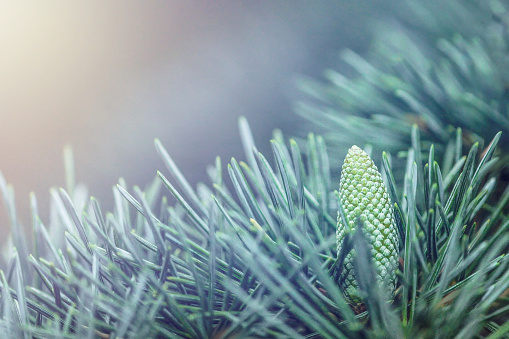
x: 363, y: 195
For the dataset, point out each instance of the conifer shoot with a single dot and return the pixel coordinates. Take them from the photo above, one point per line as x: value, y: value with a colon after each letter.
x: 364, y: 195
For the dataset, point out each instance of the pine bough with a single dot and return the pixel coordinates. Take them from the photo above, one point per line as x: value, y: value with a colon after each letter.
x: 254, y: 254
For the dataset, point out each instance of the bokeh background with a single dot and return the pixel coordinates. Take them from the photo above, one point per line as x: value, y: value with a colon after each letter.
x: 109, y: 77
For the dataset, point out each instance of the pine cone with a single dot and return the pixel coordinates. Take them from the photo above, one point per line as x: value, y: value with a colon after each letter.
x: 363, y: 194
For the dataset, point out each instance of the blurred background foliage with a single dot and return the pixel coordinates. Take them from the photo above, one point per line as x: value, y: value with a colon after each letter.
x: 108, y: 78
x: 439, y: 64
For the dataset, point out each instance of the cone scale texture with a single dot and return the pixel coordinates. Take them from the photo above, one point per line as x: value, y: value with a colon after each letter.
x: 364, y: 195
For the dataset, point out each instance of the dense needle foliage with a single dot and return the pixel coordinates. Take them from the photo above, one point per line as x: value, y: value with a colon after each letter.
x: 444, y: 64
x: 253, y: 253
x: 260, y: 260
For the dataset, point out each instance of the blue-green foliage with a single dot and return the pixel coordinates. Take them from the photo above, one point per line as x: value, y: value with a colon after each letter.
x: 444, y: 64
x: 253, y: 255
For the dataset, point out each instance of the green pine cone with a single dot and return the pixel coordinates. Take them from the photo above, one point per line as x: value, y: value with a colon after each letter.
x: 363, y: 194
